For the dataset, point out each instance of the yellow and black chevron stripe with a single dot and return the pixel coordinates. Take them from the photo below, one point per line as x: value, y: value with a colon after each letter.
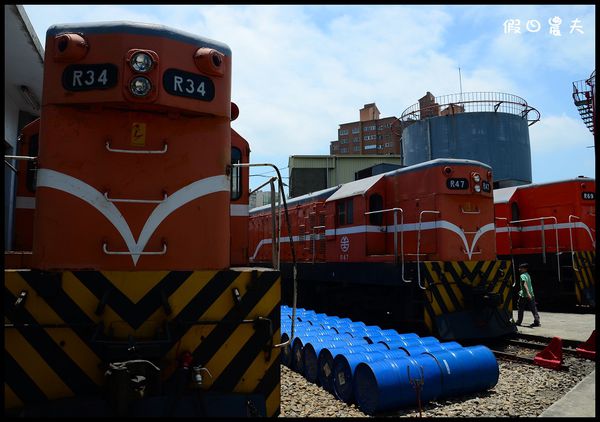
x: 447, y: 284
x: 229, y: 321
x: 585, y: 274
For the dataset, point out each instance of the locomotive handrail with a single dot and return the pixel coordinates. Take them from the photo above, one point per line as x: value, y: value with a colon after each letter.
x: 106, y: 251
x: 133, y: 151
x: 419, y: 244
x: 17, y: 157
x: 512, y: 257
x: 544, y: 237
x: 289, y: 227
x: 20, y: 157
x: 469, y: 212
x: 575, y: 268
x: 396, y: 236
x: 313, y: 241
x: 138, y: 201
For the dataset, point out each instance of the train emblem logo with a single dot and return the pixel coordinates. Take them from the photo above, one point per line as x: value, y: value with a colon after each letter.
x: 344, y: 244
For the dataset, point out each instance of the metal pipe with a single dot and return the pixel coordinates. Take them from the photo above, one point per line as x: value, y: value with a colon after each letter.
x: 543, y: 237
x: 571, y: 239
x: 289, y: 227
x: 512, y: 257
x: 133, y: 151
x: 273, y: 226
x: 20, y: 157
x: 139, y: 201
x: 419, y: 245
x: 396, y: 236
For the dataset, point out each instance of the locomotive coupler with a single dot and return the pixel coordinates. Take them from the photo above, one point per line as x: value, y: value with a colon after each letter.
x: 129, y: 381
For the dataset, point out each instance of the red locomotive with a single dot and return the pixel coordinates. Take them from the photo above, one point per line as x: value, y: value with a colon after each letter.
x: 552, y: 227
x: 412, y: 248
x: 122, y: 299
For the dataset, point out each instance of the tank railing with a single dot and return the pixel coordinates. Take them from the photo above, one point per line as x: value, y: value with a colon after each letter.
x: 314, y: 234
x: 293, y: 250
x: 419, y: 243
x: 468, y: 102
x: 574, y: 265
x: 395, y: 210
x: 137, y: 201
x: 107, y: 252
x: 512, y: 257
x: 17, y: 157
x: 134, y: 151
x: 544, y: 237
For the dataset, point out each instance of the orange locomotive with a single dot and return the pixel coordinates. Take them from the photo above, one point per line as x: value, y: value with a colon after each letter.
x: 123, y: 300
x: 413, y: 249
x: 552, y: 227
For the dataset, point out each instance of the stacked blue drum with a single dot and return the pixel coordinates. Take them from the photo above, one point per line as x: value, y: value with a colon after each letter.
x: 381, y: 370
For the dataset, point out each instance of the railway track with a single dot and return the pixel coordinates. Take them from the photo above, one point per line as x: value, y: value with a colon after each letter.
x: 519, y: 348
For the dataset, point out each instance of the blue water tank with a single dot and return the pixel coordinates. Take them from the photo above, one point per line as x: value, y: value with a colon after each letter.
x: 500, y: 140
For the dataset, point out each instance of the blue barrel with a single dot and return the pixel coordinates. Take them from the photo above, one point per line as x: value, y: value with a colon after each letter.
x: 286, y: 351
x: 391, y: 384
x: 429, y: 346
x: 466, y: 370
x: 311, y: 357
x: 345, y: 364
x: 450, y: 345
x: 299, y: 342
x: 382, y: 337
x: 325, y: 361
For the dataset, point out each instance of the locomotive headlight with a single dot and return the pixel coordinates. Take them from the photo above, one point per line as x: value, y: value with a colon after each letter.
x: 140, y: 86
x: 141, y: 62
x: 477, y: 188
x: 476, y: 178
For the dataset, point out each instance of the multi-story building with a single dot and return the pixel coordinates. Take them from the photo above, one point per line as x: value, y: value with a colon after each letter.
x: 368, y: 136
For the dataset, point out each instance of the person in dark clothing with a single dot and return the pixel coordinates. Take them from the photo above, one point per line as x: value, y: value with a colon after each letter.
x: 526, y: 297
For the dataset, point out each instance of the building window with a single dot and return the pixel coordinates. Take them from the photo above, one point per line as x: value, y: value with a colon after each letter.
x: 343, y: 140
x: 343, y: 131
x: 370, y: 137
x: 370, y: 147
x: 344, y: 150
x: 356, y: 139
x: 345, y: 212
x: 368, y: 128
x: 355, y: 130
x: 357, y: 148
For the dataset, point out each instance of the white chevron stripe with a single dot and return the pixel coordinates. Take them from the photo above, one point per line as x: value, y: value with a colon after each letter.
x: 549, y: 226
x: 428, y: 225
x: 56, y: 180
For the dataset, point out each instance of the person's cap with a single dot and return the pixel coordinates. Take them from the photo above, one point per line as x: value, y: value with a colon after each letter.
x: 524, y: 265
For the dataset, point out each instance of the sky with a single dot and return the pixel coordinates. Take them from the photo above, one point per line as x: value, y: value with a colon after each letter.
x: 299, y: 71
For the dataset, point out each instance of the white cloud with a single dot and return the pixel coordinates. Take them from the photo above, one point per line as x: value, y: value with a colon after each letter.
x: 300, y: 71
x: 558, y: 133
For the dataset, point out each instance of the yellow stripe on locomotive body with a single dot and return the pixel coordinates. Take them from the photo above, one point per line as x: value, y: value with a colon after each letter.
x: 63, y: 329
x: 585, y: 277
x: 468, y: 299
